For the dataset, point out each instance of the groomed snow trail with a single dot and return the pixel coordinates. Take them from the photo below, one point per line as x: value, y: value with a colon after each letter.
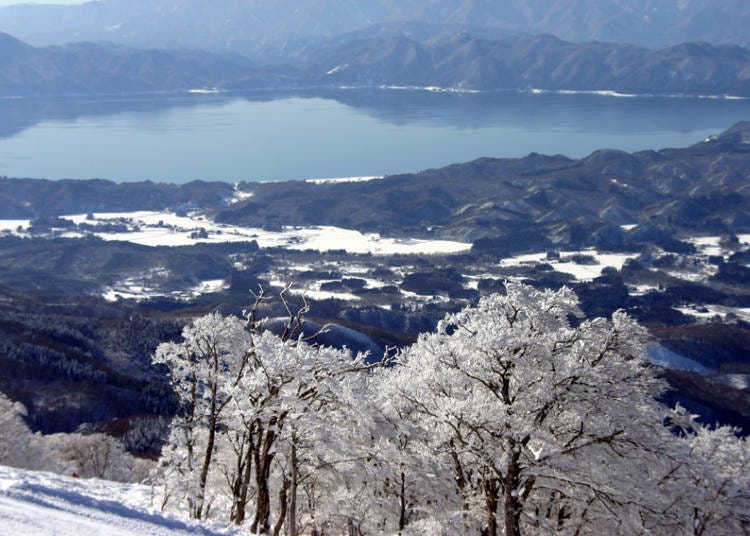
x: 45, y: 504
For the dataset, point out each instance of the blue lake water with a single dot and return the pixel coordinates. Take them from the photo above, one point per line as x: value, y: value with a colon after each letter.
x: 257, y: 137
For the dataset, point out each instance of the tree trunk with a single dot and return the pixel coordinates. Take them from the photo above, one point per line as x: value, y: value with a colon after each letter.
x: 263, y: 458
x: 244, y: 483
x: 293, y: 491
x: 491, y: 493
x: 461, y: 482
x: 402, y: 503
x: 282, y: 507
x: 208, y: 456
x: 512, y: 503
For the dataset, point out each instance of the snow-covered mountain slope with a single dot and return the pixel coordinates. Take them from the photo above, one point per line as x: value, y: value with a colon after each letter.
x: 40, y: 504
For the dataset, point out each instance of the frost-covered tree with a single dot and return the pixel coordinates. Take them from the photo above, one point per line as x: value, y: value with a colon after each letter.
x: 281, y: 406
x: 548, y: 424
x: 712, y: 486
x: 95, y: 456
x: 204, y: 368
x: 88, y: 456
x: 254, y: 408
x: 19, y: 447
x: 515, y: 416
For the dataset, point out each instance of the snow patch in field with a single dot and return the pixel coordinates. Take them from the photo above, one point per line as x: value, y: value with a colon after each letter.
x: 343, y: 180
x: 169, y: 229
x: 582, y: 272
x: 14, y: 225
x: 313, y: 291
x: 143, y: 288
x: 708, y: 245
x: 325, y: 295
x: 694, y: 276
x: 643, y: 289
x: 707, y: 312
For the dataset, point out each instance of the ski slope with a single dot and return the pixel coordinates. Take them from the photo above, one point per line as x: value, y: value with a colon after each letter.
x: 42, y: 504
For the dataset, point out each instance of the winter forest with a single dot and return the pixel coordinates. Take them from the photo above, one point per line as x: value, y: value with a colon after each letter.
x: 516, y: 416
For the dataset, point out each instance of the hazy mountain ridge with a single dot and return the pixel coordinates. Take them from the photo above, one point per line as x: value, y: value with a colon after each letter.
x: 455, y: 60
x: 105, y: 68
x: 244, y: 26
x: 545, y: 62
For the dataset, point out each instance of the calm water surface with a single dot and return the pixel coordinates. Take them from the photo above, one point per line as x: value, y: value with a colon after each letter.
x: 178, y: 138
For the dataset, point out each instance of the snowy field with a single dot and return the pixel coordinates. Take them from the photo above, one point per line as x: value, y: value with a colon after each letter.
x: 582, y: 272
x: 141, y: 289
x: 46, y: 504
x: 169, y: 229
x: 343, y: 180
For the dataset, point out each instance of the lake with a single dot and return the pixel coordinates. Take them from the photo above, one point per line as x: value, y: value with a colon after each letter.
x: 346, y: 133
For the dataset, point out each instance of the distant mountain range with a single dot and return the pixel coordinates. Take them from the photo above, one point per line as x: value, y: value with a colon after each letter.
x: 384, y: 56
x: 102, y: 68
x: 520, y: 62
x: 246, y: 25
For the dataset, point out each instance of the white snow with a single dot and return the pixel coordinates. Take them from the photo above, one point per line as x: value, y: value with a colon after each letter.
x: 205, y: 91
x: 432, y: 89
x: 341, y: 180
x: 240, y: 195
x: 707, y: 245
x: 601, y: 93
x: 664, y: 357
x: 612, y: 93
x: 13, y: 225
x: 36, y: 503
x: 168, y: 229
x: 149, y: 286
x: 696, y: 275
x: 707, y: 312
x: 519, y: 260
x: 337, y: 69
x: 324, y: 294
x: 582, y: 272
x: 643, y: 289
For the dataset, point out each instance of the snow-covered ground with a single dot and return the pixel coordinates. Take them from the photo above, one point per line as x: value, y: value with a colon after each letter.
x: 664, y: 357
x: 169, y: 229
x: 343, y: 180
x: 138, y: 289
x: 14, y: 225
x: 582, y: 272
x: 46, y: 504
